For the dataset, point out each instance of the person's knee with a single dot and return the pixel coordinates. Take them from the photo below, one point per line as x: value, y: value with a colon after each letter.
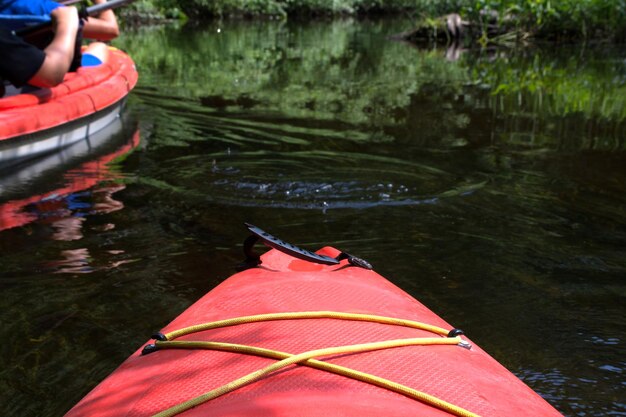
x: 88, y: 60
x: 95, y: 54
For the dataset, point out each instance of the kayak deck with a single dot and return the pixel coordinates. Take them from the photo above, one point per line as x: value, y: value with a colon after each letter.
x: 468, y: 378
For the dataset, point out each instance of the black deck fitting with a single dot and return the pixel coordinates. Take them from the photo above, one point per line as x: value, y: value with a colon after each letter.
x: 455, y: 333
x: 159, y: 336
x: 149, y: 348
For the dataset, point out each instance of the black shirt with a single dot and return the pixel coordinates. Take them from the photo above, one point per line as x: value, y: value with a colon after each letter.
x: 19, y: 60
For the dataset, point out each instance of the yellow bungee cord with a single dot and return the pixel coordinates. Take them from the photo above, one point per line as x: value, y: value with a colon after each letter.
x: 164, y: 341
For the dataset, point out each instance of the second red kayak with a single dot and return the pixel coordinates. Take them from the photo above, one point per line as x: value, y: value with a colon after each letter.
x: 45, y: 120
x: 310, y: 334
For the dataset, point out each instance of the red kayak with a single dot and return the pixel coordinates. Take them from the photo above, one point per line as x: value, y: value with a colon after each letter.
x: 48, y: 119
x: 310, y: 334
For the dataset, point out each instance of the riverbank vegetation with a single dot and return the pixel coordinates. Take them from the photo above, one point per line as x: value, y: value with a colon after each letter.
x: 501, y: 21
x: 486, y: 19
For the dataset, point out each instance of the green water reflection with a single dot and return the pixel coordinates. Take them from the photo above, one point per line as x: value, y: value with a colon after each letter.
x: 488, y: 184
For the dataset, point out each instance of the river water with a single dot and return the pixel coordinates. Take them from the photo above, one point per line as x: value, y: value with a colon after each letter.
x: 489, y: 184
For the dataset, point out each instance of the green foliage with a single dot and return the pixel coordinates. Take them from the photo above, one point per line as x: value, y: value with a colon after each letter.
x: 557, y: 88
x: 340, y: 72
x: 328, y: 73
x: 199, y: 9
x: 544, y: 18
x: 282, y: 8
x: 150, y: 10
x: 555, y: 18
x: 308, y: 7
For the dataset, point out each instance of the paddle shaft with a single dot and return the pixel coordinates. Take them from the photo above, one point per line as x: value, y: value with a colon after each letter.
x: 70, y: 2
x: 89, y: 11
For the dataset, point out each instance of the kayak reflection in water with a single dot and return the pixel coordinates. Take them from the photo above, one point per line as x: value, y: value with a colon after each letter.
x: 66, y: 214
x: 79, y: 190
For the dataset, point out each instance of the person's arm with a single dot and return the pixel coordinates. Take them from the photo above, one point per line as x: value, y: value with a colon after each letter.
x: 103, y: 27
x: 60, y: 51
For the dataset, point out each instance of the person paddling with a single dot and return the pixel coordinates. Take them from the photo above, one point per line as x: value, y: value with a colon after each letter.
x: 102, y: 27
x: 23, y: 60
x: 23, y: 63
